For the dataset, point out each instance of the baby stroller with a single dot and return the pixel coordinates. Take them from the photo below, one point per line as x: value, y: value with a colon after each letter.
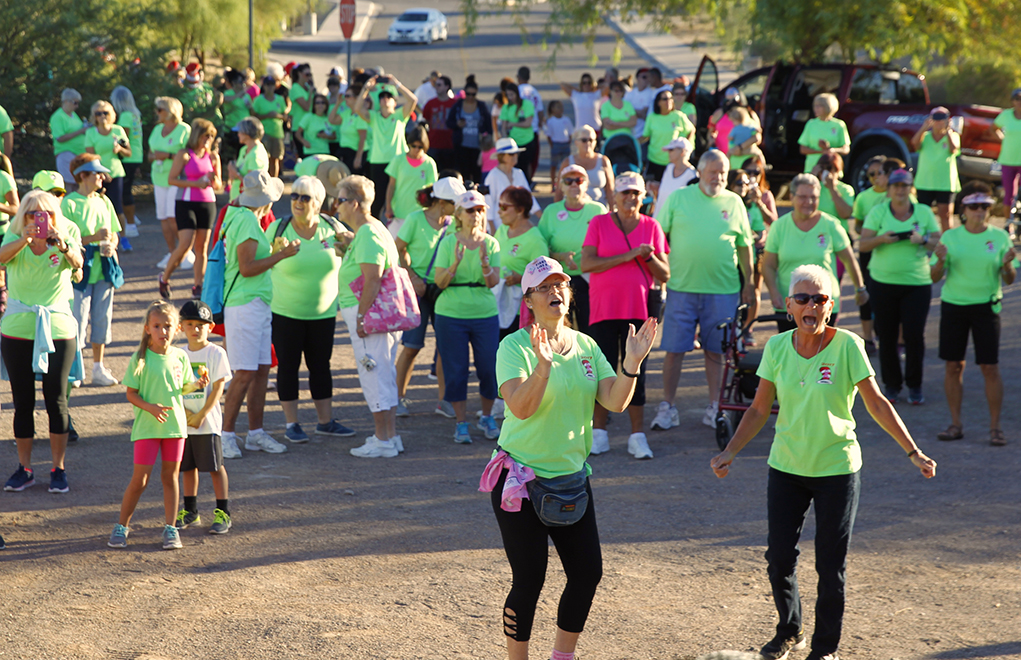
x: 625, y: 155
x: 739, y: 380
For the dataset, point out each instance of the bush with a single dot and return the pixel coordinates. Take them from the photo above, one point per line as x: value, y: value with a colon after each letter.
x: 982, y: 82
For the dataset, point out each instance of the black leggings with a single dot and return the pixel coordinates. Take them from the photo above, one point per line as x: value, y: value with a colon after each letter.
x: 291, y: 338
x: 528, y: 157
x: 525, y: 539
x: 865, y: 311
x: 380, y: 179
x: 580, y: 303
x: 611, y: 337
x: 898, y: 305
x: 17, y: 356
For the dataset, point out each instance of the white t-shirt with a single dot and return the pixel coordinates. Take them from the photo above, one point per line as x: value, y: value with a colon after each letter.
x: 527, y: 91
x: 670, y: 183
x: 425, y: 93
x: 215, y: 361
x: 560, y: 129
x: 497, y: 182
x: 586, y: 109
x: 640, y: 100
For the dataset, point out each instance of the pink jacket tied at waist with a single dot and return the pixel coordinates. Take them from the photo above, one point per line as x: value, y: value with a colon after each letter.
x: 514, y: 489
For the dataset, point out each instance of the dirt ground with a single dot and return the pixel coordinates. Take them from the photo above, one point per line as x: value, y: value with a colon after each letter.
x: 337, y: 557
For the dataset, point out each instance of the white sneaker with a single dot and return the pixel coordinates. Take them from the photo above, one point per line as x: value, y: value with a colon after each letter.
x: 131, y: 231
x: 102, y: 377
x: 638, y: 446
x: 262, y: 441
x: 230, y: 446
x: 398, y: 443
x: 600, y: 442
x: 162, y: 264
x: 188, y: 261
x: 375, y: 448
x: 709, y: 419
x: 667, y: 417
x: 498, y: 409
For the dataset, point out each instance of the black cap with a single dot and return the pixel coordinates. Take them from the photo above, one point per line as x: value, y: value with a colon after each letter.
x: 196, y: 310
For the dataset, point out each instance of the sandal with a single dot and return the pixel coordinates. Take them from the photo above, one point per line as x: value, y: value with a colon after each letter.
x: 953, y: 432
x: 996, y: 438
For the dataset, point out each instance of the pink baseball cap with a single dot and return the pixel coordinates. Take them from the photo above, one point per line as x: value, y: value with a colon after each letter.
x: 539, y: 270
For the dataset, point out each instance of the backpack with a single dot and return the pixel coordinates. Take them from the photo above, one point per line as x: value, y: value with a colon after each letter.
x: 212, y: 284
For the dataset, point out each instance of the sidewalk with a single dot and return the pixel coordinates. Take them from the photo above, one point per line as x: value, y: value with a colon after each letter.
x: 330, y: 38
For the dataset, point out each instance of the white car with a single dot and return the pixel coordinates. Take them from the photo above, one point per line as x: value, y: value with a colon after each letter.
x: 418, y: 26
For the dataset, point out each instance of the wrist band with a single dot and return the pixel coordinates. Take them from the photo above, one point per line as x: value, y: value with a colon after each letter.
x: 625, y: 372
x: 913, y: 453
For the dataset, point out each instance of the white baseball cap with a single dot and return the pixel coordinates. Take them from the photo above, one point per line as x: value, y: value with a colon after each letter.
x: 448, y: 188
x: 539, y: 271
x: 472, y: 199
x: 679, y: 143
x: 629, y: 181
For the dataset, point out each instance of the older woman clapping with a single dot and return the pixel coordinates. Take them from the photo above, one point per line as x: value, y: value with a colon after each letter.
x: 814, y: 372
x: 304, y: 308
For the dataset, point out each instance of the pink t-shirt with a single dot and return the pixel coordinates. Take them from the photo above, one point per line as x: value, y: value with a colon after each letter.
x: 622, y: 291
x: 489, y: 160
x: 723, y: 128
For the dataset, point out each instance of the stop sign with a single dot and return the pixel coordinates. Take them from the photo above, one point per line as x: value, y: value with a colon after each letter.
x: 346, y: 11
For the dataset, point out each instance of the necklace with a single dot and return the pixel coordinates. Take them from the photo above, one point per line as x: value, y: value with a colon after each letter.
x: 809, y: 360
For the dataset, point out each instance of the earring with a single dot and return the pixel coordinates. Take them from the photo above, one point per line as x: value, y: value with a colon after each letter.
x: 789, y: 317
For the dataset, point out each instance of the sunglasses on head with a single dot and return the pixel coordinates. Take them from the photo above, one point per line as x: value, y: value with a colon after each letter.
x: 817, y: 298
x: 304, y: 199
x: 571, y: 180
x: 975, y: 207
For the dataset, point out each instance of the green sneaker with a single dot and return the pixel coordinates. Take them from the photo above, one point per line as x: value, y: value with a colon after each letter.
x: 119, y: 537
x: 186, y: 518
x: 171, y: 538
x: 221, y: 522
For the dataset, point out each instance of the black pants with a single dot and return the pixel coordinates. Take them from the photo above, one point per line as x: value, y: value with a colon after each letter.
x: 526, y: 541
x: 788, y: 497
x: 611, y: 337
x: 314, y: 339
x: 380, y: 179
x: 528, y: 156
x: 580, y: 303
x: 865, y: 311
x: 17, y: 356
x: 896, y: 305
x: 347, y: 156
x: 468, y: 164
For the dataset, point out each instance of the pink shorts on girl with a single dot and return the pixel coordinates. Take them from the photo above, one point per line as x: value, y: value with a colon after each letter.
x: 147, y: 449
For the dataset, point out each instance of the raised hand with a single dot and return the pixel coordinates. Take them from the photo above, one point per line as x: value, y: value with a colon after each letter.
x: 640, y: 343
x: 541, y: 348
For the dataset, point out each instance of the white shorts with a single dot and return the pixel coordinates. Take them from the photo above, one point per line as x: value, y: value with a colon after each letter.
x: 166, y: 199
x: 380, y: 384
x: 64, y: 159
x: 249, y: 335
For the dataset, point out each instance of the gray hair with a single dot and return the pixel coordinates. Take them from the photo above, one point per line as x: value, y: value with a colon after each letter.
x: 70, y: 95
x: 124, y: 101
x: 806, y: 179
x: 816, y: 275
x: 829, y: 100
x: 713, y: 156
x: 310, y: 185
x: 252, y: 127
x: 359, y: 189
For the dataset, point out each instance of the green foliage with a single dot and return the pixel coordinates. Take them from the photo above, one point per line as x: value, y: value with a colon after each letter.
x: 984, y: 82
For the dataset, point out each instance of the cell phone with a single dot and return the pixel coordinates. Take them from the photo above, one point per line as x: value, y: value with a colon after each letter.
x: 903, y: 235
x: 123, y: 143
x: 825, y: 175
x: 42, y: 223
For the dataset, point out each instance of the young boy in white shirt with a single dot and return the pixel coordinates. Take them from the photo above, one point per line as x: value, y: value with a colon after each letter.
x: 559, y: 132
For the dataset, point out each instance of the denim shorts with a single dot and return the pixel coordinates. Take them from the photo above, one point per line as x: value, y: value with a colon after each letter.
x: 687, y: 311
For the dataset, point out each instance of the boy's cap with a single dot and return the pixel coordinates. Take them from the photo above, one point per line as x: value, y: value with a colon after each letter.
x: 196, y: 310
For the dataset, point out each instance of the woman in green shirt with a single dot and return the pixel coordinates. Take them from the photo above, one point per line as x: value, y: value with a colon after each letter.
x: 353, y: 134
x: 814, y: 372
x: 408, y: 174
x: 975, y: 258
x: 825, y: 134
x: 938, y: 146
x: 1007, y: 128
x: 618, y: 115
x: 68, y: 131
x: 129, y: 117
x: 662, y: 126
x: 864, y: 202
x: 516, y: 122
x: 169, y: 136
x: 272, y: 109
x: 252, y: 156
x: 314, y: 131
x: 110, y: 141
x: 520, y: 243
x: 386, y: 131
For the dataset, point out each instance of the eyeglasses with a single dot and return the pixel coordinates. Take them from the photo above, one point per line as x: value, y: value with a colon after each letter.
x: 305, y: 199
x: 629, y: 193
x: 101, y: 113
x: 556, y: 286
x: 470, y: 95
x: 573, y: 180
x: 506, y: 207
x: 975, y: 207
x: 817, y: 298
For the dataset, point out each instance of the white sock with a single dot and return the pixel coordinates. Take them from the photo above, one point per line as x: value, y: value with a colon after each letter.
x: 254, y: 431
x: 290, y: 425
x: 228, y: 434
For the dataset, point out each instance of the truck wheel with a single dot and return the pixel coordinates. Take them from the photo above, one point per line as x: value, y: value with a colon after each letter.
x: 857, y: 175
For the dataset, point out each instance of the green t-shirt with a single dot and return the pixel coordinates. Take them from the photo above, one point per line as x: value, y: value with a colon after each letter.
x: 240, y: 225
x: 516, y: 253
x: 62, y: 123
x: 263, y: 106
x: 902, y: 262
x: 250, y: 159
x: 937, y: 166
x: 349, y: 127
x: 103, y: 146
x: 704, y: 233
x: 625, y: 112
x: 409, y: 179
x: 755, y: 219
x: 297, y: 112
x: 1010, y: 150
x: 815, y: 428
x: 161, y: 382
x: 864, y: 202
x: 421, y: 240
x: 7, y: 184
x: 91, y: 214
x: 372, y: 244
x: 826, y: 204
x: 41, y: 280
x: 557, y: 438
x: 794, y: 247
x: 132, y: 125
x: 310, y: 126
x: 688, y: 110
x: 565, y: 230
x: 972, y: 266
x: 662, y: 129
x: 171, y: 144
x: 521, y: 135
x: 310, y: 165
x: 235, y: 107
x: 305, y: 285
x: 467, y: 302
x: 5, y: 125
x: 388, y: 140
x: 832, y: 130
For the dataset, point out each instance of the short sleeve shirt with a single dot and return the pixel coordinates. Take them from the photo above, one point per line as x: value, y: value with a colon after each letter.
x: 621, y: 293
x: 865, y: 201
x: 973, y: 264
x: 565, y: 230
x: 214, y: 359
x: 311, y: 124
x: 5, y: 125
x: 350, y: 125
x: 516, y: 113
x: 240, y: 225
x: 372, y: 244
x: 7, y: 184
x: 103, y: 145
x: 902, y: 262
x: 409, y: 179
x: 160, y: 382
x: 622, y: 114
x: 91, y: 214
x: 263, y: 106
x: 467, y: 302
x: 937, y: 165
x: 826, y: 204
x: 235, y: 107
x: 250, y: 159
x: 662, y: 129
x: 832, y: 130
x: 132, y: 125
x: 1010, y: 149
x: 171, y: 144
x: 422, y: 241
x: 516, y: 253
x: 794, y: 247
x: 388, y: 139
x: 305, y: 286
x: 61, y: 124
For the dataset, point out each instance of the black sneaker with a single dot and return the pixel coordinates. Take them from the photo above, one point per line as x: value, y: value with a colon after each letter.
x: 779, y: 648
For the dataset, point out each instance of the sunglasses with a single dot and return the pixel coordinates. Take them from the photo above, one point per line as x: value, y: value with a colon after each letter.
x: 585, y: 140
x: 304, y: 199
x: 572, y: 180
x: 475, y: 209
x: 57, y: 193
x: 940, y: 116
x: 817, y: 298
x: 975, y: 207
x: 101, y: 113
x: 753, y: 171
x: 873, y: 175
x: 506, y: 207
x: 556, y: 286
x: 470, y: 95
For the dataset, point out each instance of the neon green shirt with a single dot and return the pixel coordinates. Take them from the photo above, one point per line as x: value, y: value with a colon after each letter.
x: 309, y: 165
x: 467, y: 302
x: 832, y: 130
x: 132, y: 125
x: 263, y: 106
x: 409, y: 179
x: 902, y: 262
x: 688, y: 110
x: 755, y: 219
x: 565, y: 230
x: 864, y: 202
x: 937, y: 166
x: 7, y: 184
x: 5, y: 125
x: 41, y: 280
x: 662, y: 129
x: 972, y: 266
x: 512, y: 113
x: 235, y: 107
x: 625, y: 112
x: 297, y: 112
x: 91, y: 214
x: 815, y: 428
x: 62, y: 123
x: 516, y: 253
x: 103, y: 146
x: 240, y: 225
x: 171, y: 144
x: 388, y: 140
x: 349, y: 127
x: 161, y: 382
x: 372, y: 244
x: 250, y: 159
x: 794, y: 247
x: 826, y: 204
x: 704, y: 233
x: 305, y: 285
x: 310, y: 125
x: 1010, y: 150
x: 557, y: 438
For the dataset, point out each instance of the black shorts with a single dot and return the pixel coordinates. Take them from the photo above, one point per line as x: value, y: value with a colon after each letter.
x: 203, y: 453
x: 954, y: 323
x: 930, y: 197
x: 194, y: 215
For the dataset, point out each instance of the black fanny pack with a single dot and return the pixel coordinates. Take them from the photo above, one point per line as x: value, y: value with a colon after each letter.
x: 559, y: 501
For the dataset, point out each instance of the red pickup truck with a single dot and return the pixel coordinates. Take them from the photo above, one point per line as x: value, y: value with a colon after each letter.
x: 882, y: 107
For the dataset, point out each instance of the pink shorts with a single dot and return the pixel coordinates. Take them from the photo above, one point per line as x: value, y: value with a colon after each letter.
x: 146, y: 450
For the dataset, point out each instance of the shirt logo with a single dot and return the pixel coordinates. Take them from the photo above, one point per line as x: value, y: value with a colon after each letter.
x: 178, y: 374
x: 325, y: 244
x: 990, y: 248
x: 514, y: 249
x: 586, y: 364
x: 825, y: 375
x: 822, y: 240
x: 562, y: 215
x: 54, y: 260
x: 725, y: 214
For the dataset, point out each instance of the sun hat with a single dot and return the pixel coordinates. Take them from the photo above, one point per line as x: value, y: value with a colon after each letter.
x: 49, y: 180
x: 508, y: 146
x: 449, y: 188
x: 196, y: 310
x: 537, y: 271
x: 901, y: 176
x: 472, y: 199
x: 679, y: 143
x: 260, y: 189
x: 629, y: 181
x: 330, y: 173
x: 91, y: 166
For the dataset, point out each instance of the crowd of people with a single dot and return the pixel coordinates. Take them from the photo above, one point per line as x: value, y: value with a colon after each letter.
x: 418, y: 208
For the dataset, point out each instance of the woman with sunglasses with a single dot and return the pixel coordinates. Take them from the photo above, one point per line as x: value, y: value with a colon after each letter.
x: 314, y: 131
x: 663, y: 126
x: 408, y: 173
x: 168, y: 136
x: 618, y: 116
x: 937, y: 181
x: 516, y: 122
x: 864, y: 202
x: 469, y: 120
x: 901, y: 234
x: 596, y: 165
x: 353, y: 134
x: 111, y: 143
x: 521, y: 242
x: 975, y: 258
x: 814, y: 371
x: 68, y: 131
